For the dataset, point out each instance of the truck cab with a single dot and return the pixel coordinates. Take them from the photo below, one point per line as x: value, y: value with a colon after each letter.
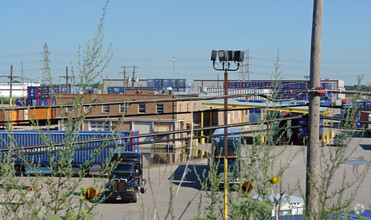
x: 126, y: 181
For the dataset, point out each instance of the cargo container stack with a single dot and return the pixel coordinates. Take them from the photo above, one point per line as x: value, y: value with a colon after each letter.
x: 80, y: 156
x: 42, y: 95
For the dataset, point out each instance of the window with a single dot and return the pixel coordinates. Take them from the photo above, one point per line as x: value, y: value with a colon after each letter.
x: 99, y: 126
x: 187, y: 107
x: 123, y: 108
x: 69, y: 109
x: 142, y: 108
x: 194, y: 106
x: 180, y: 107
x: 105, y: 109
x: 160, y: 109
x: 87, y: 109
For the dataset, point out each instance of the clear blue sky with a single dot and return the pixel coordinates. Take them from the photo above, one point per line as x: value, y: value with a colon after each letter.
x: 149, y: 33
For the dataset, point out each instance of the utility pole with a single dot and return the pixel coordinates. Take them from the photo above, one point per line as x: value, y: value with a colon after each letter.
x: 124, y: 79
x: 133, y: 79
x: 313, y: 148
x: 11, y: 77
x: 11, y: 87
x: 66, y: 77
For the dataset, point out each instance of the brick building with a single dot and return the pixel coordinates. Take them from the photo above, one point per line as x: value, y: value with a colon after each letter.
x: 143, y: 117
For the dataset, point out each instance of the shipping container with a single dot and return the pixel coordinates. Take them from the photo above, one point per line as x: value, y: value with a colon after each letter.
x: 32, y: 102
x: 231, y: 85
x: 159, y: 83
x: 34, y: 138
x: 6, y: 116
x: 115, y: 90
x: 166, y: 83
x: 32, y: 92
x: 184, y: 83
x: 20, y: 116
x: 41, y: 114
x: 243, y: 85
x: 43, y: 102
x: 151, y: 83
x: 238, y: 85
x: 21, y: 102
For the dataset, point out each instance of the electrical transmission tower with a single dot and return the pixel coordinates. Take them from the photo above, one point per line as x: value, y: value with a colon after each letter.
x: 46, y: 75
x: 245, y: 67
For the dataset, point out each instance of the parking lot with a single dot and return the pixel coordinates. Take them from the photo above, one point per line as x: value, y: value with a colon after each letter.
x: 154, y: 204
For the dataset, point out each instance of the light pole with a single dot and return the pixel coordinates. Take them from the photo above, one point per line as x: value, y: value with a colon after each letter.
x: 173, y: 67
x: 226, y: 58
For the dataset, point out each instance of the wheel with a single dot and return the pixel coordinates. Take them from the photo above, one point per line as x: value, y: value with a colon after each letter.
x: 143, y: 187
x: 136, y: 196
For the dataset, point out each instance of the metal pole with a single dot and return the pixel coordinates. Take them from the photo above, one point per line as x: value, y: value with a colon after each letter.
x: 11, y: 86
x: 225, y: 146
x: 66, y: 79
x: 124, y: 79
x: 10, y: 127
x: 312, y: 177
x: 132, y: 80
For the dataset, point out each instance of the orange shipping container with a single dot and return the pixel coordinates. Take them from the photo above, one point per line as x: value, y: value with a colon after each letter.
x: 41, y: 114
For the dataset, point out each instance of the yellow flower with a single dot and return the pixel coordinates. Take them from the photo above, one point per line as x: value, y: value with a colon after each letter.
x: 91, y: 193
x: 275, y: 180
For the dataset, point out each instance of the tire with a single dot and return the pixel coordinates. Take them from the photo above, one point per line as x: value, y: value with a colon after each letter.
x: 136, y: 196
x: 143, y: 188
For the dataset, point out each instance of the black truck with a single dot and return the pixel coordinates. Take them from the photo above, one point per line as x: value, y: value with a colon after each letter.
x: 126, y: 181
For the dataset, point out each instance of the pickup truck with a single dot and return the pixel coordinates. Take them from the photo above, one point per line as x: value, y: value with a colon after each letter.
x: 126, y: 181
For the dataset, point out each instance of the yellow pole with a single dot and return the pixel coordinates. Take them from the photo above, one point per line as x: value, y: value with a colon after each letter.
x: 261, y: 119
x: 202, y: 140
x: 323, y: 129
x: 225, y: 187
x: 332, y: 124
x: 327, y: 131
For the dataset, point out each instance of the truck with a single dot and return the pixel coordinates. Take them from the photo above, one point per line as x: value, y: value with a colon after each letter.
x: 216, y: 160
x: 126, y: 180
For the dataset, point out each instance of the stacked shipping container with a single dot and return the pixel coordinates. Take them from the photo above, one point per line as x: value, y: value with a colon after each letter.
x: 285, y: 89
x: 34, y: 138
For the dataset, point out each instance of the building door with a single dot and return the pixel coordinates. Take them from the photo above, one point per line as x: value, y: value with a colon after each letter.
x: 146, y: 149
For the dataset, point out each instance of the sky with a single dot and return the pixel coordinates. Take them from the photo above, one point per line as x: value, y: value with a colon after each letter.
x: 148, y: 34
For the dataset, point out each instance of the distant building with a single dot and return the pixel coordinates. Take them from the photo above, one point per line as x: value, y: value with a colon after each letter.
x: 18, y: 89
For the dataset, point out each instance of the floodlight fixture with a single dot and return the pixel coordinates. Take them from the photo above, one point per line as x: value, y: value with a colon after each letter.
x: 222, y: 55
x: 226, y: 58
x: 213, y: 55
x: 230, y: 55
x: 238, y: 56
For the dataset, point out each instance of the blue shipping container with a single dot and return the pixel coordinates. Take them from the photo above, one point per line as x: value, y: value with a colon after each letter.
x: 159, y: 83
x: 151, y: 83
x: 243, y: 85
x: 32, y: 92
x: 32, y: 138
x: 43, y: 102
x: 115, y: 90
x: 21, y: 102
